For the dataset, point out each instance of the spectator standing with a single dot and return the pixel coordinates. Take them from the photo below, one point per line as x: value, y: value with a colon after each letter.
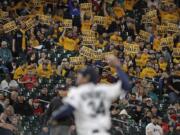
x: 153, y: 128
x: 29, y: 80
x: 5, y: 53
x: 8, y: 83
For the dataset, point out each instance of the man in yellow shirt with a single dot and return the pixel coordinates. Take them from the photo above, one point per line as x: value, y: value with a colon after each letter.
x: 162, y: 64
x: 44, y: 70
x: 68, y: 42
x: 145, y: 56
x: 20, y: 71
x: 115, y: 38
x: 148, y: 71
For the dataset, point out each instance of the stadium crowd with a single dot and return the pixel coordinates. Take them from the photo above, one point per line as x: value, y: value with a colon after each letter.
x: 43, y: 44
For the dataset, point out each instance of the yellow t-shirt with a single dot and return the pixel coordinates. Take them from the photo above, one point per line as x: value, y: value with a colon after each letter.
x: 19, y: 72
x: 156, y: 44
x: 115, y: 39
x: 69, y: 44
x: 141, y: 63
x: 144, y: 57
x: 86, y: 25
x: 148, y: 72
x: 163, y: 66
x: 44, y: 73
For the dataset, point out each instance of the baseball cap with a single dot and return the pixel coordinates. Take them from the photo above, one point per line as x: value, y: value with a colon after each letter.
x: 91, y: 72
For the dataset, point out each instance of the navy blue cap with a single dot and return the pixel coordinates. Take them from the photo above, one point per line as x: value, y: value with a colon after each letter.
x: 91, y: 73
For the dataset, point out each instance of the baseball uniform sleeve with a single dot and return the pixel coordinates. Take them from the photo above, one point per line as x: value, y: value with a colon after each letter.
x: 114, y: 90
x: 73, y: 98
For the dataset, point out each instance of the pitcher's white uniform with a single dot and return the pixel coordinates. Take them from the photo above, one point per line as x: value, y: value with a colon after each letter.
x: 92, y: 103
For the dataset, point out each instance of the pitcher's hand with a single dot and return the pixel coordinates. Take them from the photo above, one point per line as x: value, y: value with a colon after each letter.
x: 113, y: 61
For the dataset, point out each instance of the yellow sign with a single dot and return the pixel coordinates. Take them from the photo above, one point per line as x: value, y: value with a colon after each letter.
x: 10, y: 26
x: 91, y: 54
x: 67, y: 23
x: 87, y: 40
x: 77, y: 60
x: 45, y: 19
x: 149, y: 17
x: 88, y: 33
x: 167, y: 27
x: 167, y: 42
x: 144, y: 35
x: 30, y: 23
x: 87, y: 52
x: 87, y: 7
x: 3, y: 15
x: 98, y: 56
x: 161, y: 29
x: 101, y: 55
x: 146, y: 20
x: 176, y: 52
x: 172, y: 27
x: 101, y: 20
x: 152, y: 14
x: 131, y: 48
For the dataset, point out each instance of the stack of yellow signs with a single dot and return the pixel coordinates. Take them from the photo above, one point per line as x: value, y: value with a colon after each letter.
x: 88, y: 37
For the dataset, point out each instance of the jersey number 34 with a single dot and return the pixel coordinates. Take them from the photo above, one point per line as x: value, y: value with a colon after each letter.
x: 97, y: 110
